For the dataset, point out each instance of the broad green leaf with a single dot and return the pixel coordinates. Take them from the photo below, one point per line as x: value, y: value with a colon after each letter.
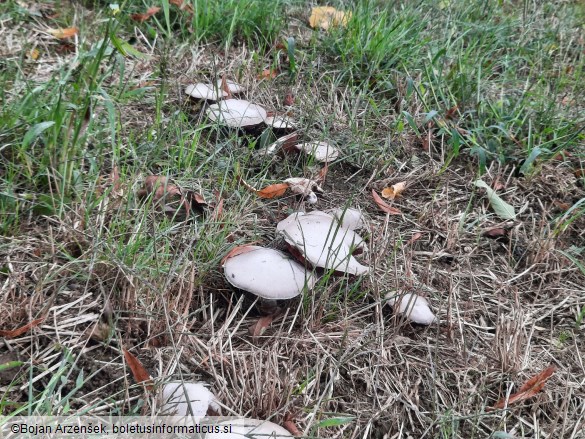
x: 501, y: 208
x: 35, y: 132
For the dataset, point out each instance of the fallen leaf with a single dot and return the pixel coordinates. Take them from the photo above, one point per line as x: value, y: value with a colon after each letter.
x: 292, y: 428
x: 225, y: 87
x: 394, y: 191
x: 166, y: 195
x: 501, y: 208
x: 115, y: 178
x: 143, y: 17
x: 414, y: 238
x: 273, y: 190
x: 495, y: 233
x: 561, y: 205
x: 325, y: 17
x: 323, y: 173
x: 289, y: 100
x: 268, y: 74
x: 19, y: 331
x: 138, y: 371
x: 33, y: 54
x: 182, y: 5
x: 218, y: 210
x: 63, y: 33
x: 240, y: 249
x: 450, y: 114
x: 384, y: 206
x: 260, y: 326
x: 529, y: 389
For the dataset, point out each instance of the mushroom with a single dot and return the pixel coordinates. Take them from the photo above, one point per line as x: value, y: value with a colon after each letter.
x: 321, y: 151
x: 267, y: 273
x: 188, y: 399
x: 205, y: 91
x: 250, y: 428
x: 414, y: 307
x: 319, y: 238
x: 281, y: 123
x: 351, y: 219
x: 236, y: 113
x: 304, y: 187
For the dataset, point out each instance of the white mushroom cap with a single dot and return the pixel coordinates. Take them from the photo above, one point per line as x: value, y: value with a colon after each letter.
x: 351, y: 219
x: 322, y: 242
x: 293, y: 218
x: 267, y: 273
x: 281, y: 122
x: 177, y: 397
x: 414, y: 307
x: 251, y: 428
x: 205, y: 91
x: 321, y: 151
x: 233, y: 87
x: 236, y: 113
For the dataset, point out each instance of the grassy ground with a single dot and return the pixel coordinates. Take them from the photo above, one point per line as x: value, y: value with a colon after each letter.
x: 436, y: 94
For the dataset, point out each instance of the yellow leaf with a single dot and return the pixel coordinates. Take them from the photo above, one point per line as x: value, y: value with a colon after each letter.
x: 326, y: 16
x: 394, y: 191
x: 33, y: 54
x: 63, y: 33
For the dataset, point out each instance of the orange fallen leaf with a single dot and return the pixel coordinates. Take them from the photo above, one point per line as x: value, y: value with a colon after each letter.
x: 394, y: 191
x: 182, y: 5
x: 292, y: 428
x: 19, y: 331
x: 450, y: 114
x: 384, y: 206
x: 141, y: 376
x: 325, y: 17
x: 273, y: 190
x: 414, y: 238
x: 529, y: 389
x: 63, y: 33
x: 240, y: 249
x: 143, y: 17
x: 323, y: 173
x: 268, y: 74
x: 225, y: 87
x: 260, y: 326
x: 33, y: 54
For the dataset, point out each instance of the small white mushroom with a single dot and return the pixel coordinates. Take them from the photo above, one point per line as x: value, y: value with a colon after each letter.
x: 281, y: 122
x: 251, y: 428
x: 414, y: 307
x: 351, y: 219
x: 236, y: 113
x: 205, y: 92
x: 178, y: 397
x: 322, y: 241
x: 321, y: 151
x: 233, y: 87
x: 267, y: 273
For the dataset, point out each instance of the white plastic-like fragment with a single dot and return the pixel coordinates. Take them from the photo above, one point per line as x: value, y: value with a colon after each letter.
x: 321, y: 151
x: 414, y: 307
x: 322, y: 241
x: 267, y: 273
x: 236, y: 113
x: 178, y: 397
x: 281, y: 122
x: 205, y: 91
x: 233, y: 87
x: 351, y: 219
x: 251, y: 429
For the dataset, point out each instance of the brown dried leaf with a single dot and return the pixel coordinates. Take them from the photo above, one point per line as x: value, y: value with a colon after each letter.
x: 384, y: 206
x: 138, y: 371
x: 115, y: 178
x: 451, y: 112
x: 166, y: 195
x: 414, y: 238
x: 268, y: 74
x: 495, y: 233
x: 19, y: 331
x: 240, y: 249
x: 289, y: 100
x: 225, y: 87
x: 63, y: 33
x: 394, y: 191
x: 292, y: 428
x: 260, y: 326
x: 217, y: 212
x: 273, y: 190
x: 143, y: 17
x: 529, y: 389
x: 182, y: 5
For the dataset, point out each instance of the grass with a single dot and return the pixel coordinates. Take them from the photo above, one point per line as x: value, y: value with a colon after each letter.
x: 431, y: 93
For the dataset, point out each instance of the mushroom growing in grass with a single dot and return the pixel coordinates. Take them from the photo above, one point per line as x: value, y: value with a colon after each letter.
x: 322, y: 151
x: 321, y: 241
x: 268, y: 274
x: 236, y: 113
x: 415, y: 308
x: 206, y: 92
x: 351, y: 219
x: 251, y: 428
x: 188, y: 399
